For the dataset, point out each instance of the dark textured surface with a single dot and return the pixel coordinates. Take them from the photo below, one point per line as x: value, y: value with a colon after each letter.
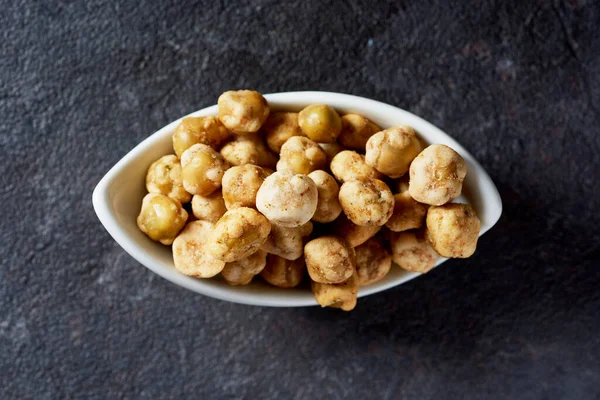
x: 516, y: 82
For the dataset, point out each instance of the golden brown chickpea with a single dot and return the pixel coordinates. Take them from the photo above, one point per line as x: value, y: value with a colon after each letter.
x: 190, y: 254
x: 286, y: 199
x: 281, y: 126
x: 392, y: 150
x: 161, y: 217
x: 240, y: 185
x: 412, y: 252
x: 238, y: 234
x: 356, y: 130
x: 348, y: 165
x: 329, y: 259
x: 367, y: 202
x: 408, y: 214
x: 209, y: 208
x: 331, y: 150
x: 437, y: 175
x: 164, y: 177
x: 283, y: 273
x: 355, y: 235
x: 243, y: 111
x: 373, y: 261
x: 453, y: 230
x: 249, y: 149
x: 328, y: 205
x: 287, y: 243
x: 241, y: 272
x: 301, y: 155
x: 206, y: 130
x: 341, y: 295
x: 202, y: 169
x: 320, y: 123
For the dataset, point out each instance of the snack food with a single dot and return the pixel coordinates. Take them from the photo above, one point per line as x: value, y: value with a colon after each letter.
x: 283, y: 273
x: 412, y: 252
x: 356, y: 130
x: 161, y: 218
x: 206, y: 130
x: 328, y: 205
x: 248, y: 149
x: 279, y: 127
x: 164, y: 177
x: 348, y: 165
x: 367, y: 202
x: 190, y: 253
x: 329, y: 259
x: 373, y: 261
x: 320, y: 123
x: 392, y: 150
x: 337, y: 295
x: 286, y: 242
x: 241, y: 272
x: 301, y: 155
x: 240, y: 185
x: 202, y: 169
x: 209, y: 208
x: 453, y: 229
x: 243, y: 111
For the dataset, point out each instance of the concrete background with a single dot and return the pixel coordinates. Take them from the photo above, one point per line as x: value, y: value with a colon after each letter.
x: 516, y: 82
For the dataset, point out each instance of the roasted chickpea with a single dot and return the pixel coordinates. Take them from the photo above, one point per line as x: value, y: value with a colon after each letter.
x: 286, y: 199
x: 408, y: 214
x: 341, y: 295
x: 206, y: 130
x: 331, y: 150
x: 164, y: 177
x: 329, y: 259
x: 412, y: 252
x: 249, y: 149
x: 392, y: 150
x: 437, y: 175
x: 241, y: 272
x: 281, y: 126
x: 328, y: 205
x: 373, y: 261
x: 209, y: 208
x: 301, y: 155
x: 190, y: 254
x: 356, y: 130
x: 202, y: 169
x: 238, y: 234
x: 240, y: 185
x: 287, y: 243
x: 348, y: 165
x: 355, y: 235
x: 161, y: 217
x: 367, y: 202
x: 243, y: 111
x: 453, y: 230
x: 283, y: 273
x: 320, y: 123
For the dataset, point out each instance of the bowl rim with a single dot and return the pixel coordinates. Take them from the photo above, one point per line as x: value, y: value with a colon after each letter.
x: 106, y: 214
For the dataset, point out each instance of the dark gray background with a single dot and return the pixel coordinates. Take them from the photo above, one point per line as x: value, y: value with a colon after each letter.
x: 516, y: 82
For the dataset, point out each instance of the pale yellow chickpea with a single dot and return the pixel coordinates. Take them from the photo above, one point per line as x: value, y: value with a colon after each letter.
x: 238, y: 234
x: 281, y: 126
x: 356, y: 130
x: 331, y: 150
x: 202, y: 169
x: 249, y: 149
x: 412, y: 252
x: 392, y: 150
x: 240, y: 185
x: 286, y: 199
x: 190, y: 254
x: 287, y: 243
x: 329, y: 259
x: 355, y: 235
x: 367, y: 202
x: 206, y: 130
x: 320, y: 123
x: 373, y: 261
x: 328, y: 205
x: 161, y: 218
x: 337, y: 295
x: 283, y: 273
x: 453, y: 230
x: 437, y: 175
x: 209, y: 208
x: 408, y: 214
x: 348, y: 165
x: 301, y: 155
x: 164, y: 177
x: 241, y: 272
x: 243, y: 111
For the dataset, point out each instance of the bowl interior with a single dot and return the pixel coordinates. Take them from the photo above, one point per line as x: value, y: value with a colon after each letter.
x: 118, y: 196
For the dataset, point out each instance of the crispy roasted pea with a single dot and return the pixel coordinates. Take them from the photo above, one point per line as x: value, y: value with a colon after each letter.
x: 392, y: 150
x: 367, y: 202
x: 283, y: 273
x: 206, y: 130
x: 337, y: 295
x: 331, y: 150
x: 320, y: 123
x: 373, y: 261
x: 249, y: 149
x: 243, y: 111
x: 301, y: 155
x: 348, y: 165
x: 408, y: 213
x: 329, y: 259
x: 356, y: 130
x: 453, y: 230
x: 161, y: 218
x: 202, y: 169
x: 412, y: 252
x: 240, y: 185
x: 241, y: 272
x: 287, y: 243
x: 164, y: 177
x: 281, y: 126
x: 328, y: 205
x: 209, y: 208
x: 190, y: 254
x: 355, y: 235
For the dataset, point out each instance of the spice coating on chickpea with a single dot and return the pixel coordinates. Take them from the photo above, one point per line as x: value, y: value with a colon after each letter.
x: 356, y: 130
x: 161, y: 218
x: 202, y: 169
x: 348, y: 165
x: 243, y: 111
x: 248, y: 149
x: 329, y: 259
x: 206, y: 130
x: 367, y: 202
x: 453, y: 230
x: 328, y: 205
x: 240, y: 185
x: 283, y: 273
x: 279, y: 127
x: 238, y: 234
x: 341, y: 295
x: 190, y: 254
x: 301, y: 155
x: 392, y: 150
x: 355, y: 235
x: 437, y: 175
x: 320, y: 123
x: 241, y: 272
x: 412, y: 252
x: 408, y: 214
x: 373, y: 261
x: 287, y: 243
x: 209, y: 208
x: 164, y: 177
x: 331, y: 150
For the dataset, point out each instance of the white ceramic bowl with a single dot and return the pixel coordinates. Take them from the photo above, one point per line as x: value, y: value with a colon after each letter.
x: 118, y: 196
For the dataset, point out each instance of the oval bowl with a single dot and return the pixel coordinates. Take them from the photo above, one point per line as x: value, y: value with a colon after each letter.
x: 118, y: 196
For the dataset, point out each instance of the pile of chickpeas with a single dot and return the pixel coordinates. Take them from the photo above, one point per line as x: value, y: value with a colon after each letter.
x: 252, y: 192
